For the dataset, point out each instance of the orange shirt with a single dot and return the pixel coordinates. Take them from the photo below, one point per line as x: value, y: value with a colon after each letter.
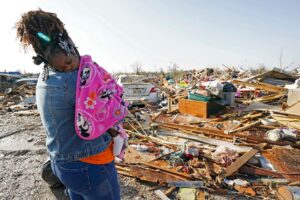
x: 104, y: 157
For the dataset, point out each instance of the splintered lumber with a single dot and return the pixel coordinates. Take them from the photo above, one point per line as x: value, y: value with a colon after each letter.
x: 245, y: 190
x: 170, y: 191
x: 208, y: 131
x: 287, y: 120
x: 217, y: 133
x: 153, y: 139
x: 161, y: 195
x: 243, y: 127
x: 253, y: 170
x: 234, y: 167
x: 124, y: 171
x: 152, y: 175
x: 262, y: 86
x: 26, y: 113
x: 168, y: 171
x: 164, y: 155
x: 253, y: 115
x: 201, y: 195
x: 169, y: 104
x: 155, y: 116
x: 274, y: 181
x: 210, y: 141
x: 267, y: 98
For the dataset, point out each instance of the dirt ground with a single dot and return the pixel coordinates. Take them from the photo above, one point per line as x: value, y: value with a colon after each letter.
x: 22, y: 155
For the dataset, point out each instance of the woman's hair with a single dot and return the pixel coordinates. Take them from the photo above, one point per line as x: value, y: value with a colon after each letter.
x: 33, y: 22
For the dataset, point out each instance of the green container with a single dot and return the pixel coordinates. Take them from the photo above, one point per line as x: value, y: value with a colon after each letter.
x: 198, y: 97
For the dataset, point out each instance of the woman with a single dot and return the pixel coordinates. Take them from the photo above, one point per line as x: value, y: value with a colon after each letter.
x: 85, y: 167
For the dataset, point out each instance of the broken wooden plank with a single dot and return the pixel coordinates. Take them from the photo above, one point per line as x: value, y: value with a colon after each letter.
x: 201, y: 195
x: 268, y: 98
x: 245, y: 190
x: 210, y: 141
x: 253, y: 115
x: 153, y: 139
x: 217, y: 133
x: 259, y: 171
x: 161, y: 195
x: 168, y: 171
x: 155, y: 116
x: 170, y: 191
x: 234, y: 167
x: 243, y: 127
x: 262, y: 86
x: 154, y: 176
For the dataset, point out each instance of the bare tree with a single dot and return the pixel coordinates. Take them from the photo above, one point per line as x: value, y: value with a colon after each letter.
x: 137, y: 68
x: 281, y: 59
x: 161, y: 70
x: 173, y: 69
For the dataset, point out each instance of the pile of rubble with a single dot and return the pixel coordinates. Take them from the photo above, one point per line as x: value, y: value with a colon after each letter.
x: 219, y: 133
x: 19, y: 99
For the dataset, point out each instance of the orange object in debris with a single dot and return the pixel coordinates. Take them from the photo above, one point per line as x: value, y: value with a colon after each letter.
x: 104, y: 157
x: 198, y: 108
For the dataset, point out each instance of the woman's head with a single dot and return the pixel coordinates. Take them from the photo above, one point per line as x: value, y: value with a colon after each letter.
x: 46, y: 34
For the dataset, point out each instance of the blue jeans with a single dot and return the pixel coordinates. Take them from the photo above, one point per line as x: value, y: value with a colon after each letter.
x: 88, y: 181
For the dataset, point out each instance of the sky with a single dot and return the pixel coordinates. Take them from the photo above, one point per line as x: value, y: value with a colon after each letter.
x: 192, y: 34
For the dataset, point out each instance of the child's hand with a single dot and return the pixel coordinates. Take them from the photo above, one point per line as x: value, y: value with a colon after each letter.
x: 113, y: 132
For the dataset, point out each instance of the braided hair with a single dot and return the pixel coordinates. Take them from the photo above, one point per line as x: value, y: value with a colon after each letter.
x: 46, y: 34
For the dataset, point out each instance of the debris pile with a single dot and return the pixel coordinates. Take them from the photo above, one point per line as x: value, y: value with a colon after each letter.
x: 218, y: 133
x: 19, y: 99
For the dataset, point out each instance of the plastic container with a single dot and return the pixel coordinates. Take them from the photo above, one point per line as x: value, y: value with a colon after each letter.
x: 269, y: 122
x: 118, y: 144
x: 228, y: 87
x: 198, y: 97
x: 230, y: 97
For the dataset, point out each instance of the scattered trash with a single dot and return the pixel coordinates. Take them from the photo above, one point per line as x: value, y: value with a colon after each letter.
x: 224, y: 155
x: 236, y: 182
x: 187, y: 194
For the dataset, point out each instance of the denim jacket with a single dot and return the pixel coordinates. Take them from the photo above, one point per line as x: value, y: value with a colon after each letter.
x: 56, y: 104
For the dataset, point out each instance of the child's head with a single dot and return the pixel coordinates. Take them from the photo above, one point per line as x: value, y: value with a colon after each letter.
x: 46, y: 34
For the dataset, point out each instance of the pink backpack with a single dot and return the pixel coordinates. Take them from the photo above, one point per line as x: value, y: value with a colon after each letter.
x: 99, y: 103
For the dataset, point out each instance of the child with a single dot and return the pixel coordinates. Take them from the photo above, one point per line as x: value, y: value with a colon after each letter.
x: 99, y: 105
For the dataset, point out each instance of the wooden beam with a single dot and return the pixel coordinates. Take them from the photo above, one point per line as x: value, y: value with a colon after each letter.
x: 170, y: 191
x: 234, y: 167
x: 259, y: 171
x: 168, y: 171
x: 262, y: 86
x: 243, y: 127
x: 217, y: 133
x: 267, y: 98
